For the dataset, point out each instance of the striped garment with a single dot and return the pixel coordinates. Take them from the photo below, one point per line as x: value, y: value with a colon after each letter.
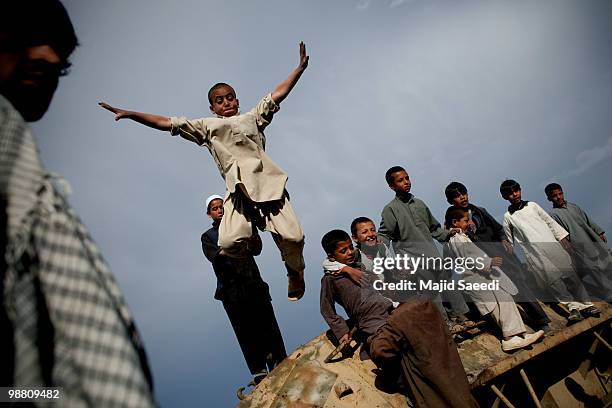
x: 71, y: 327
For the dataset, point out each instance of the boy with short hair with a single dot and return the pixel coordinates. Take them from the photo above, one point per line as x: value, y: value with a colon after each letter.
x: 255, y: 185
x: 544, y: 243
x: 488, y: 235
x: 411, y: 340
x: 407, y: 221
x: 409, y: 224
x: 369, y: 248
x: 245, y: 297
x: 590, y: 252
x: 499, y: 303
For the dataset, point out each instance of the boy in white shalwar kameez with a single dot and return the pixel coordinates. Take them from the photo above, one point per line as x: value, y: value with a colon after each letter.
x: 544, y: 241
x: 498, y: 303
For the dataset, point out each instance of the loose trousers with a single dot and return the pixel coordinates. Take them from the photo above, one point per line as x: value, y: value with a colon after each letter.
x: 570, y: 292
x: 507, y: 316
x: 257, y: 332
x: 415, y: 341
x: 241, y: 216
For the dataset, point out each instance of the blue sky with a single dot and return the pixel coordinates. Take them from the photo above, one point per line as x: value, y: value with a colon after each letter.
x: 475, y: 91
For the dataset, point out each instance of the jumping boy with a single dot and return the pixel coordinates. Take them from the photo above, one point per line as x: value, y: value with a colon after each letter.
x: 590, y: 252
x: 545, y: 245
x: 256, y: 194
x: 488, y: 235
x: 410, y: 340
x: 245, y: 297
x: 499, y: 303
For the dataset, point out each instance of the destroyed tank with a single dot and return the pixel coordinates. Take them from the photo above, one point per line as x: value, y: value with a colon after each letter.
x: 570, y: 367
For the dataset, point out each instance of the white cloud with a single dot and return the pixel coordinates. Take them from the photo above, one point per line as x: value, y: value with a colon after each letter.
x: 589, y: 158
x: 363, y: 4
x: 396, y: 3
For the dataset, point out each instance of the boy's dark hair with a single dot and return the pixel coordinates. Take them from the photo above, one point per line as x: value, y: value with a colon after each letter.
x: 215, y: 86
x: 27, y: 23
x: 552, y: 187
x: 452, y: 214
x: 508, y: 186
x: 329, y: 242
x: 389, y: 174
x: 358, y: 220
x: 454, y: 190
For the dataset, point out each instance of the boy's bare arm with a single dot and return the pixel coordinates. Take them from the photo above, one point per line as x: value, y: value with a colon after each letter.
x: 155, y: 121
x: 282, y: 90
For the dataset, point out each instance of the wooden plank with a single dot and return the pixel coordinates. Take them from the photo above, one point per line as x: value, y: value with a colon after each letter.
x: 486, y: 364
x: 501, y: 396
x: 534, y: 397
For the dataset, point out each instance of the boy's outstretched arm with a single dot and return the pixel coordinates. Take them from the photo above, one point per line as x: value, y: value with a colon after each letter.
x: 282, y: 90
x: 149, y: 119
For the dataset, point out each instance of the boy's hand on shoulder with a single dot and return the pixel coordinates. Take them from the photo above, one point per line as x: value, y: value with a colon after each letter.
x: 303, y: 57
x: 119, y: 113
x: 453, y: 231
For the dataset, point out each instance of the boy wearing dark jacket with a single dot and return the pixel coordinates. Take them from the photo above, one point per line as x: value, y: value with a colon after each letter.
x: 245, y: 297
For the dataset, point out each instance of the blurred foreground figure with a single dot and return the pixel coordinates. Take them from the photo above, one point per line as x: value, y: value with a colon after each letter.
x: 63, y: 321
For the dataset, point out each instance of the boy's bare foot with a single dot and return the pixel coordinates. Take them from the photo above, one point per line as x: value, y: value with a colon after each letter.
x: 296, y: 286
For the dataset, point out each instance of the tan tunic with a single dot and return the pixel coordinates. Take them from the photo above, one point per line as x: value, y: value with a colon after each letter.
x: 237, y: 144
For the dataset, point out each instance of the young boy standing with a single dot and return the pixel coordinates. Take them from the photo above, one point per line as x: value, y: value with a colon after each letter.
x: 484, y: 231
x: 544, y: 243
x: 255, y: 185
x: 409, y: 224
x: 245, y: 297
x: 411, y: 340
x: 499, y: 303
x: 590, y: 252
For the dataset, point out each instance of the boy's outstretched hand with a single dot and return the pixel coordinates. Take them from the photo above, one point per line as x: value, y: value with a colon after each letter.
x: 148, y: 119
x: 119, y: 113
x: 303, y: 57
x: 283, y: 89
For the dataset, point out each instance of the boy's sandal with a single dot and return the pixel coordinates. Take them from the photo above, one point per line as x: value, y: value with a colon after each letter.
x: 455, y: 328
x: 467, y: 323
x: 574, y: 317
x: 257, y: 378
x: 296, y: 286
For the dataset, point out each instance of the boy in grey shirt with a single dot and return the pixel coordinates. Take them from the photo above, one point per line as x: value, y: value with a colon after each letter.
x: 589, y: 245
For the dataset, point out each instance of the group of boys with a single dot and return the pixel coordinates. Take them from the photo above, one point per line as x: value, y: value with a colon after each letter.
x: 256, y: 199
x: 553, y: 258
x: 65, y: 323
